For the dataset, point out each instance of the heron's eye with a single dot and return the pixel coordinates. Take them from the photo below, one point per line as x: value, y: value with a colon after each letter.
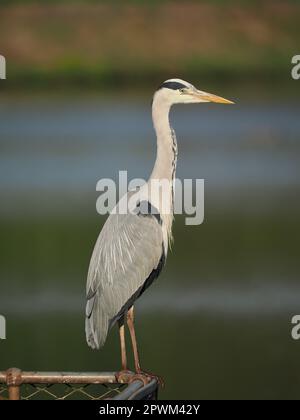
x: 182, y: 90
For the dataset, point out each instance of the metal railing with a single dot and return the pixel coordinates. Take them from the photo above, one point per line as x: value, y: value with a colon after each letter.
x: 18, y: 385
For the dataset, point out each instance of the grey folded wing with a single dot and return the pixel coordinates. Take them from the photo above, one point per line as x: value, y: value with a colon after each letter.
x: 129, y: 248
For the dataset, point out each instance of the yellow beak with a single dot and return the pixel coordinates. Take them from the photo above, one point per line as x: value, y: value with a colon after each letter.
x: 209, y: 97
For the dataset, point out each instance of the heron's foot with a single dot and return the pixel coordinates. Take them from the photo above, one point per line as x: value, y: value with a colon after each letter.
x: 151, y: 375
x: 123, y: 376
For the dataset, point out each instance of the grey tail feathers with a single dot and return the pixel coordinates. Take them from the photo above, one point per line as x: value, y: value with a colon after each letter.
x: 96, y: 323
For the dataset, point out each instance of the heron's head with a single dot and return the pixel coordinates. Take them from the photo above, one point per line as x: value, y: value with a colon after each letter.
x: 177, y: 91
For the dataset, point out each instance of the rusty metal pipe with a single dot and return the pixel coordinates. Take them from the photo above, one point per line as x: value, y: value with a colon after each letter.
x: 57, y: 377
x: 14, y: 393
x: 68, y: 377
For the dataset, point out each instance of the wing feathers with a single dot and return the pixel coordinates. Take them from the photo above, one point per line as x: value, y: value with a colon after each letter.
x: 127, y: 251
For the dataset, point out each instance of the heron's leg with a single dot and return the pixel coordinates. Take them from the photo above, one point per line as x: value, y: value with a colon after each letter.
x: 130, y: 323
x: 123, y: 345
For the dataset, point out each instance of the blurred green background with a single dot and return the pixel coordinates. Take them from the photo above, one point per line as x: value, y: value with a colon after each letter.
x: 76, y: 108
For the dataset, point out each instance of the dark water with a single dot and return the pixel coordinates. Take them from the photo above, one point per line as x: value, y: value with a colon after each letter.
x: 217, y: 324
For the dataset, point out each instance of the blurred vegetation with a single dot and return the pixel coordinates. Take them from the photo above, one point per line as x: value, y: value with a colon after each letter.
x: 132, y: 43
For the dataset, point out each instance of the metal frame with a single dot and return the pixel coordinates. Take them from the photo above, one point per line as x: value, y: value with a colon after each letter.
x: 139, y: 387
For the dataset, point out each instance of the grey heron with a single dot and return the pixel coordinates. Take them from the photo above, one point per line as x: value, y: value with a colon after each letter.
x: 131, y: 248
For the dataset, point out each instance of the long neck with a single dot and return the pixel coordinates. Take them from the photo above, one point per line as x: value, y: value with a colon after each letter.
x: 165, y: 165
x: 166, y: 157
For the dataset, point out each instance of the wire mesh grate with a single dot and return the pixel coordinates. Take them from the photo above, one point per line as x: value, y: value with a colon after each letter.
x: 3, y: 392
x: 69, y: 392
x: 65, y: 391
